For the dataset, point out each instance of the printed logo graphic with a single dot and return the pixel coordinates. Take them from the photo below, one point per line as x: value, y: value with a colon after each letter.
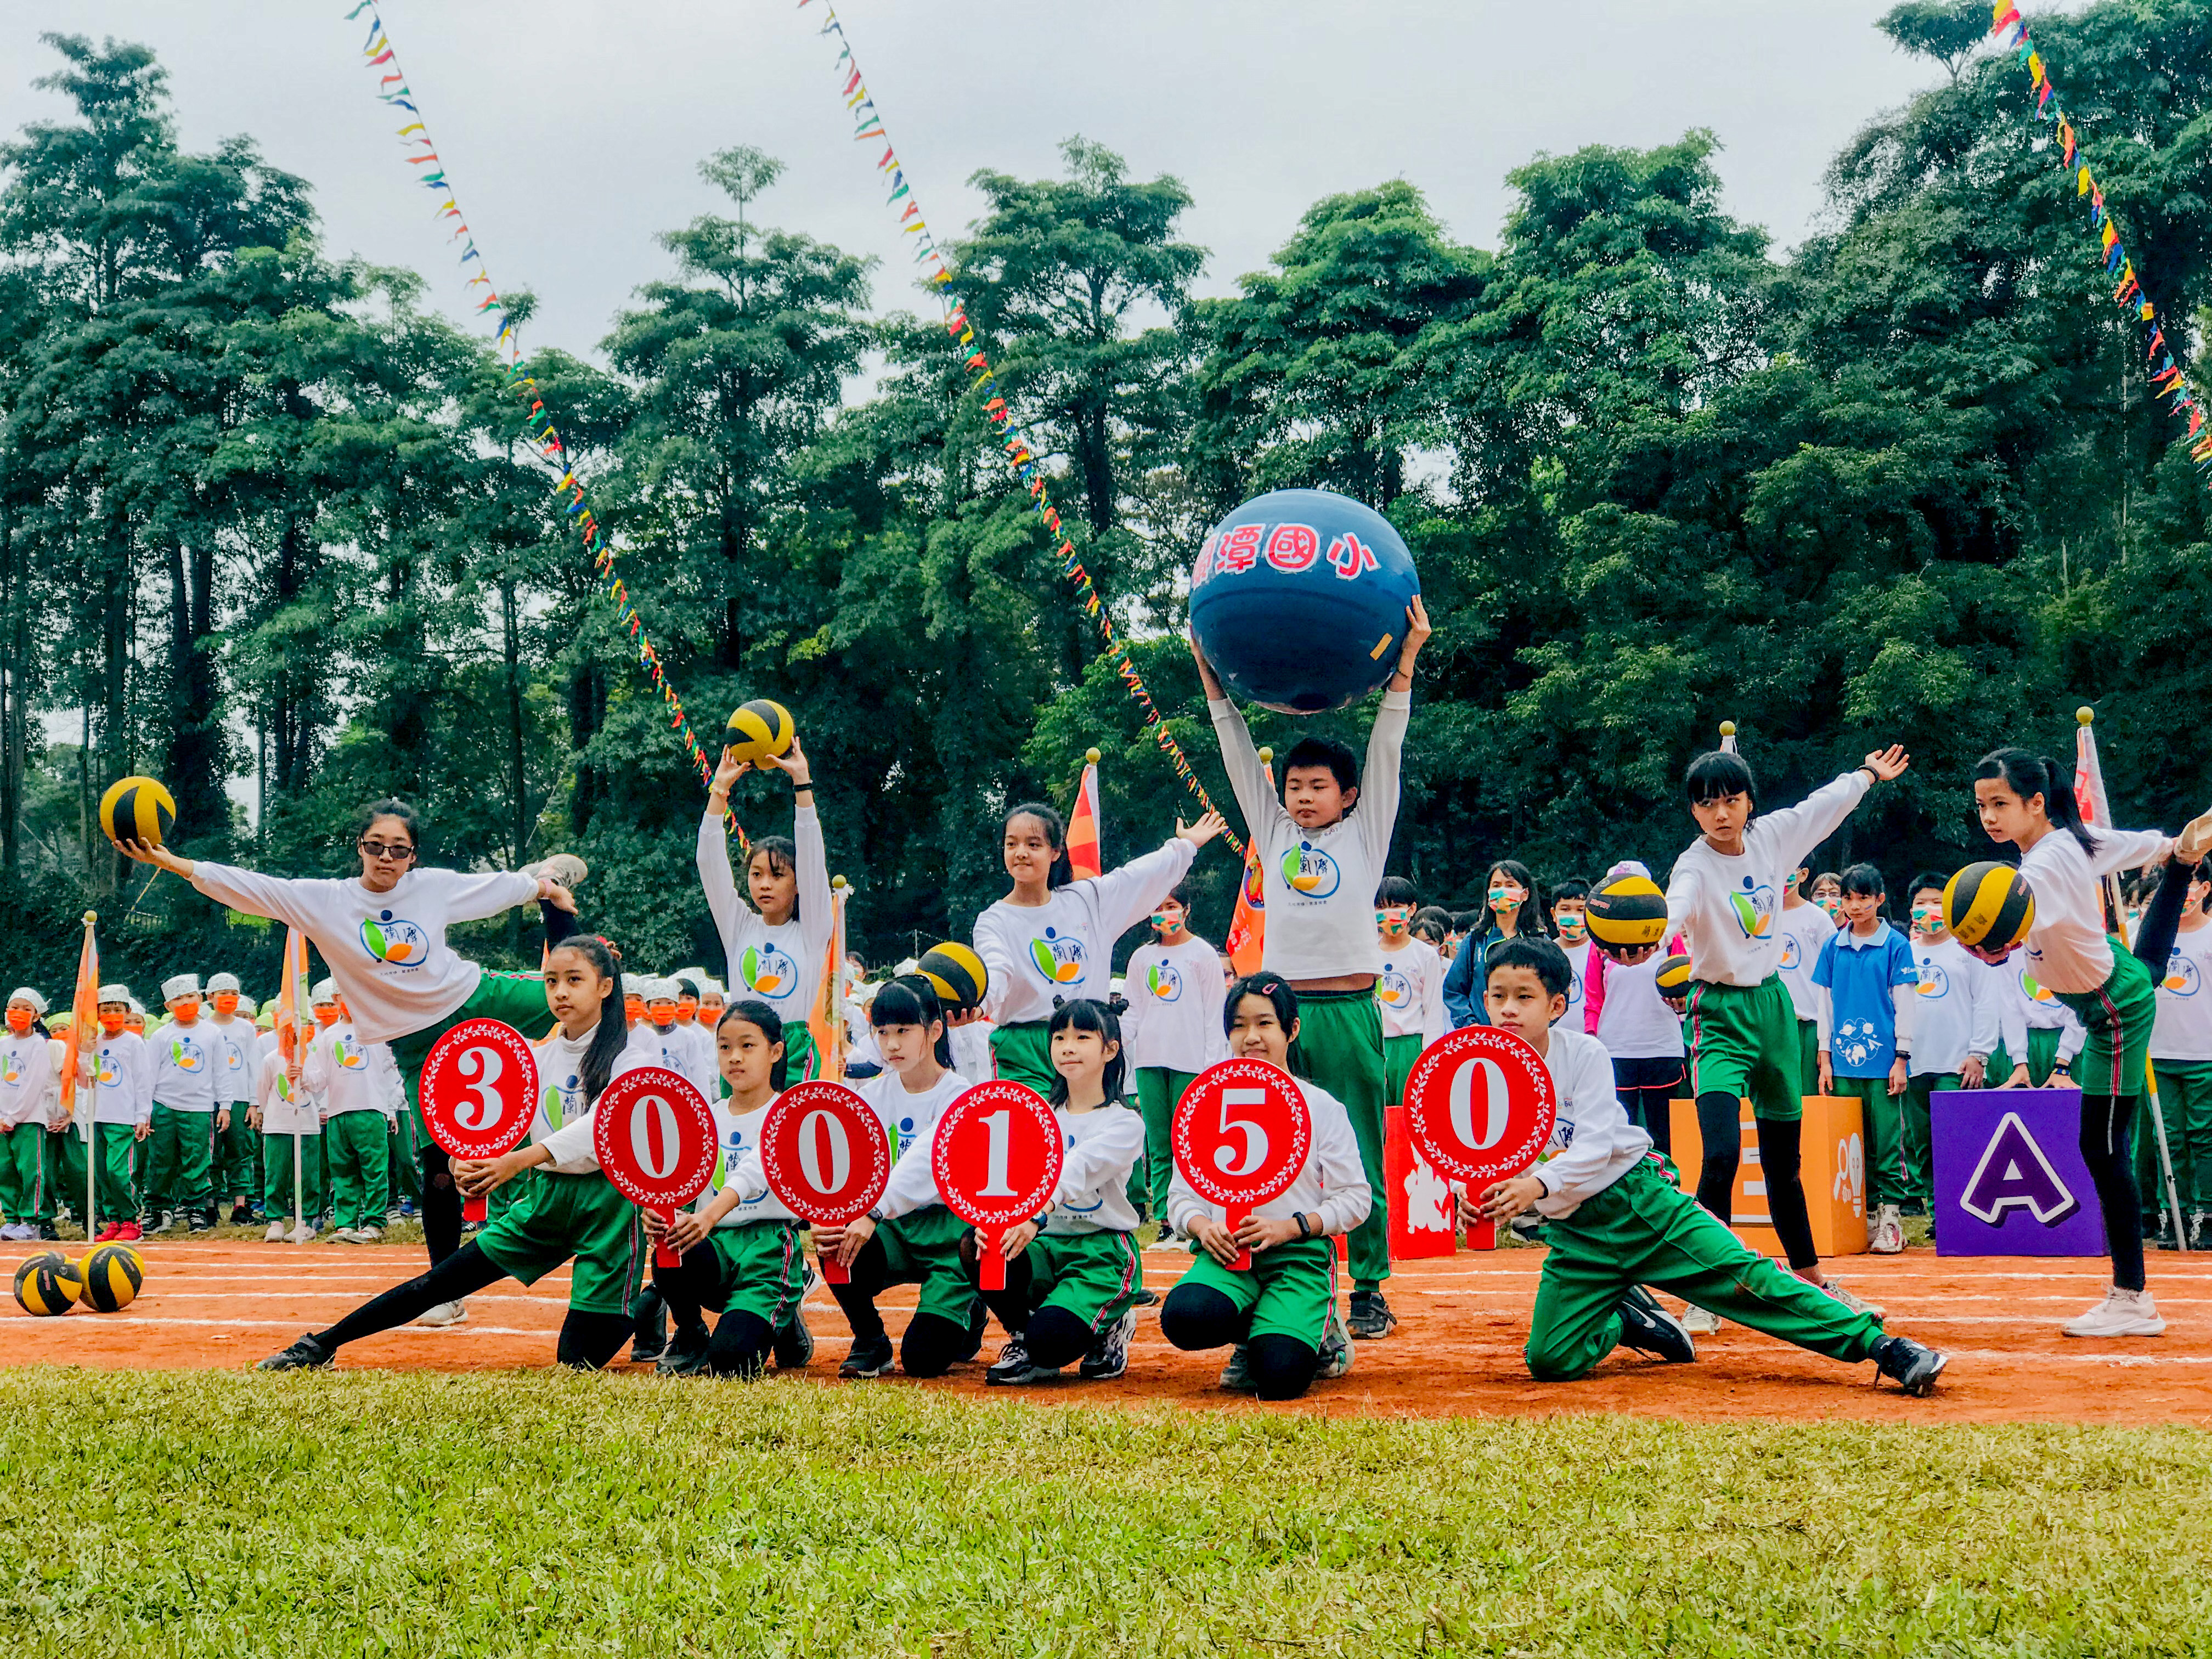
x: 1394, y: 989
x: 768, y: 971
x: 1308, y: 871
x: 350, y: 1055
x: 1256, y: 889
x: 2181, y: 976
x: 1059, y: 959
x: 2014, y: 1175
x: 2032, y: 990
x: 1574, y: 990
x: 1850, y: 1173
x: 1428, y: 1200
x: 903, y: 1131
x: 1935, y: 983
x: 110, y: 1075
x: 1792, y: 953
x: 1858, y: 1042
x: 393, y: 939
x: 186, y: 1055
x: 1098, y: 1199
x: 1754, y: 909
x: 11, y: 1072
x: 1164, y: 980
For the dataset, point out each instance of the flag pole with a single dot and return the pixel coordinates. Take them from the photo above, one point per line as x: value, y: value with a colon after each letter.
x: 84, y: 1015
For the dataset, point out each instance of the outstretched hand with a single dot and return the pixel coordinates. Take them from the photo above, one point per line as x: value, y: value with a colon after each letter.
x: 1889, y: 764
x: 792, y: 764
x: 728, y: 774
x: 159, y: 856
x: 1417, y: 636
x: 1207, y: 678
x: 1207, y: 827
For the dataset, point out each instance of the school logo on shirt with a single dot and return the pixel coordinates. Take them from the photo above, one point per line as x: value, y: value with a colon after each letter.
x: 1574, y: 988
x: 1754, y: 909
x: 1394, y: 989
x: 186, y: 1055
x: 1255, y: 888
x: 1164, y: 980
x: 109, y: 1075
x: 903, y: 1131
x: 768, y: 971
x: 233, y: 1057
x: 2033, y: 990
x: 1857, y: 1042
x: 1793, y: 954
x: 2181, y: 977
x: 11, y: 1072
x: 350, y: 1056
x: 1308, y: 871
x: 1935, y: 984
x: 393, y: 939
x: 1081, y: 1209
x: 1058, y: 956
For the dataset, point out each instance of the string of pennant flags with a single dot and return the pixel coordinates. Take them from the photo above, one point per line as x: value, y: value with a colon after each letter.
x: 379, y: 54
x: 1020, y: 455
x: 2166, y: 376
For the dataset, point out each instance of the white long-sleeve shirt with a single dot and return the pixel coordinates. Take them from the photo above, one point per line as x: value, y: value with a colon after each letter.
x: 674, y: 1050
x: 28, y: 1073
x: 1803, y: 929
x: 347, y: 1074
x: 387, y: 952
x: 1064, y: 947
x: 238, y: 1058
x: 909, y: 1118
x: 1957, y: 1007
x: 2182, y: 1030
x: 1101, y: 1147
x: 186, y: 1059
x: 2067, y: 949
x: 123, y: 1080
x: 1726, y: 907
x: 571, y: 1145
x: 782, y: 965
x: 1320, y: 885
x: 1411, y: 992
x: 741, y: 1168
x: 1174, y: 1018
x: 1331, y: 1183
x: 1593, y: 1142
x: 284, y: 1111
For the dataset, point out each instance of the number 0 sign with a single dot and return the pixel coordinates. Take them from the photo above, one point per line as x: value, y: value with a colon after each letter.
x: 1479, y: 1105
x: 1240, y: 1136
x: 997, y: 1156
x: 479, y: 1094
x: 655, y: 1140
x: 826, y: 1156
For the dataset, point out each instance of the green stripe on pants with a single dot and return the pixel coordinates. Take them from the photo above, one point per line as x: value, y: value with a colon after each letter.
x: 1339, y: 1047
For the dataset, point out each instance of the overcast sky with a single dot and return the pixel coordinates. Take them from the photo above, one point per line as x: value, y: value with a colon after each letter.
x: 571, y: 129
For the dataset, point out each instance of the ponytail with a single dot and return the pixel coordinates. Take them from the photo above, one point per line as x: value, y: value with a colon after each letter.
x: 2027, y: 776
x: 611, y: 1035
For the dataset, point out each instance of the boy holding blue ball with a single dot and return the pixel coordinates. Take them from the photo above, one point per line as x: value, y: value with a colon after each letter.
x: 1322, y: 851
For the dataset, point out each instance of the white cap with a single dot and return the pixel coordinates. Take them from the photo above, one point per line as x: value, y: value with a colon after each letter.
x: 224, y: 983
x: 710, y: 985
x: 659, y: 990
x: 246, y: 1006
x: 326, y: 990
x: 117, y: 994
x: 25, y: 994
x: 136, y: 1006
x: 180, y: 985
x: 1628, y: 867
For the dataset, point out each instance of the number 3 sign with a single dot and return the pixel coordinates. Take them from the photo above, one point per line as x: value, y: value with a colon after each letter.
x: 1241, y: 1135
x: 826, y: 1156
x: 997, y: 1157
x: 1479, y: 1105
x: 479, y: 1094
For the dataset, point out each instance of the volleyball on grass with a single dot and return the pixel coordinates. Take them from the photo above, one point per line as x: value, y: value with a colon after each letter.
x: 137, y: 809
x: 957, y: 974
x: 1627, y: 912
x: 1989, y: 904
x: 1298, y: 600
x: 759, y: 729
x: 47, y: 1284
x: 111, y: 1275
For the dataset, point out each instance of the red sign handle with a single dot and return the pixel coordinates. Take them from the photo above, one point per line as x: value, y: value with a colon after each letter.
x: 834, y: 1271
x: 991, y: 1258
x: 1235, y: 1216
x: 473, y: 1209
x: 663, y: 1254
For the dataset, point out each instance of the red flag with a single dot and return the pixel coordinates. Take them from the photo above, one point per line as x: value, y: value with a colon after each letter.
x: 1247, y: 926
x: 84, y: 1015
x: 1083, y: 855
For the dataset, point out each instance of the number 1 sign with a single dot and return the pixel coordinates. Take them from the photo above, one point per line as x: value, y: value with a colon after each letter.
x: 1241, y: 1135
x: 997, y: 1157
x: 1479, y: 1105
x: 826, y: 1156
x: 479, y: 1094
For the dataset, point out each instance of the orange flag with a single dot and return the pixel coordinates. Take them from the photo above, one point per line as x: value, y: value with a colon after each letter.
x: 84, y: 1015
x: 1083, y: 855
x: 294, y: 1014
x: 1248, y: 927
x: 825, y: 1022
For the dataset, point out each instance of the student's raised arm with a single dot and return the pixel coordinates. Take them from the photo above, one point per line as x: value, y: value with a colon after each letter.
x: 471, y: 895
x: 716, y: 879
x: 1796, y: 830
x: 1248, y: 778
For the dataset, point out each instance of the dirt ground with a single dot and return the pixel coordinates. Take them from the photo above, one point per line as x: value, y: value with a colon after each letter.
x: 1456, y: 1351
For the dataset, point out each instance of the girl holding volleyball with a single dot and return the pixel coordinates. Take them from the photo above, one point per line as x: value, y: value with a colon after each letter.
x: 2026, y: 800
x: 1052, y: 937
x: 569, y: 1209
x: 775, y: 945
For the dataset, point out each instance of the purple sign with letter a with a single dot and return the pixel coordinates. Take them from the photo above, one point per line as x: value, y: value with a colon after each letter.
x: 2009, y: 1179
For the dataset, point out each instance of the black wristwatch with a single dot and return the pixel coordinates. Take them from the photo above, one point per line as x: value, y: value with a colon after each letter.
x: 1304, y: 1230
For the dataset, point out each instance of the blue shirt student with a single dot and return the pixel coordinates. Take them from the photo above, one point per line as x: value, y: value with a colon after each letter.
x: 1861, y: 974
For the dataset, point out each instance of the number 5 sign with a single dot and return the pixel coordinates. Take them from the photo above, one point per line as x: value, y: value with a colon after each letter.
x: 1479, y: 1105
x: 479, y: 1094
x: 997, y: 1156
x: 655, y: 1140
x: 826, y: 1156
x: 1240, y: 1137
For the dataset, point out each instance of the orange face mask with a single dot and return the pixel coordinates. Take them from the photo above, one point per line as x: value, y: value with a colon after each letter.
x: 633, y: 1008
x: 19, y: 1018
x: 226, y: 1002
x: 687, y: 1010
x: 326, y: 1013
x: 112, y: 1023
x: 186, y: 1008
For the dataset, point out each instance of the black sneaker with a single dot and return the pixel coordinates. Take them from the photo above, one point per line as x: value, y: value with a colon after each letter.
x: 1110, y: 1355
x: 1910, y: 1366
x: 1370, y: 1316
x: 309, y: 1353
x: 202, y: 1221
x: 686, y: 1351
x: 164, y: 1222
x: 49, y: 1233
x: 1011, y: 1369
x: 648, y: 1338
x: 1650, y: 1328
x: 1144, y: 1298
x: 794, y: 1344
x: 241, y: 1215
x: 872, y: 1356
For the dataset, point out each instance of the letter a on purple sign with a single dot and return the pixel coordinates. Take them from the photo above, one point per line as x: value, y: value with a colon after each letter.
x: 2014, y: 1175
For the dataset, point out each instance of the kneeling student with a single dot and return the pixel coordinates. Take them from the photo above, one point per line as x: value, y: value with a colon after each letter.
x: 1618, y: 1220
x: 1280, y: 1313
x: 1072, y: 1279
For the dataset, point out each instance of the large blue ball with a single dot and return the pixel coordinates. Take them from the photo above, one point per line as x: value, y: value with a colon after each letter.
x: 1298, y: 599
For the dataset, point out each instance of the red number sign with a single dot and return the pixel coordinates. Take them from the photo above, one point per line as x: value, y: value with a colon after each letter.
x: 826, y: 1156
x: 996, y: 1156
x: 1479, y: 1105
x: 655, y: 1140
x: 1240, y: 1136
x: 480, y: 1094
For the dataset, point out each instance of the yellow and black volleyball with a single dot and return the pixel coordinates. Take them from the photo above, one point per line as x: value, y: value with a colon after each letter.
x: 137, y: 809
x: 1628, y: 913
x: 957, y: 974
x: 1989, y: 905
x: 1673, y: 981
x: 758, y: 729
x: 47, y: 1284
x: 112, y: 1275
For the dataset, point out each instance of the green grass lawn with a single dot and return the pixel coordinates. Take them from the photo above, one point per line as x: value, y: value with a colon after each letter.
x: 212, y: 1514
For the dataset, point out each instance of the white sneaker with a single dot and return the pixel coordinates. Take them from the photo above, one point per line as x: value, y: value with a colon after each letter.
x: 2122, y: 1313
x: 1698, y: 1322
x: 1336, y: 1348
x: 15, y: 1232
x: 274, y: 1235
x: 446, y: 1313
x: 302, y: 1234
x: 348, y: 1235
x: 368, y: 1235
x: 1835, y: 1292
x: 1888, y: 1237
